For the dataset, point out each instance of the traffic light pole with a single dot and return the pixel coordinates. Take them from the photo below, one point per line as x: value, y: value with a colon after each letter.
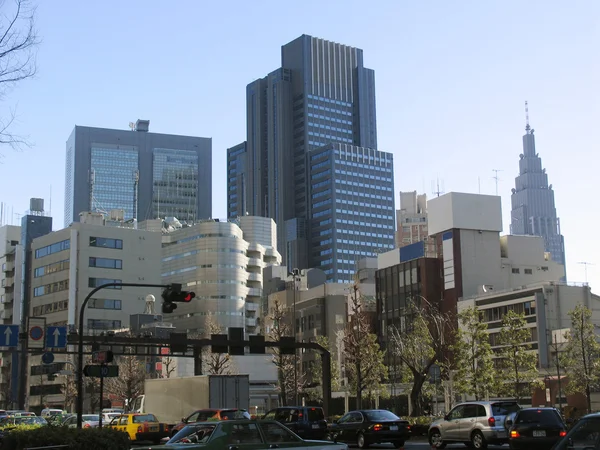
x: 80, y: 349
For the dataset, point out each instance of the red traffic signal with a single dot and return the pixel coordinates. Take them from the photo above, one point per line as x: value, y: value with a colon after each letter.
x: 188, y: 296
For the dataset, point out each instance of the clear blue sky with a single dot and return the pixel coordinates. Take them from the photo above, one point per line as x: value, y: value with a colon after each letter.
x: 451, y: 80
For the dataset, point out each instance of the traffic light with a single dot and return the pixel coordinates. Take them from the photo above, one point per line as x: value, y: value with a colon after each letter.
x: 173, y: 295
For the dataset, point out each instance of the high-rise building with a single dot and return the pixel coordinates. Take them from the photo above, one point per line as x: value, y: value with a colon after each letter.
x: 147, y: 175
x: 411, y: 218
x: 533, y: 208
x: 322, y: 94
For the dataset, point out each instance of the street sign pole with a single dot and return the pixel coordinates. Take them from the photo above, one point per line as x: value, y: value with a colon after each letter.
x: 79, y: 405
x: 101, y: 395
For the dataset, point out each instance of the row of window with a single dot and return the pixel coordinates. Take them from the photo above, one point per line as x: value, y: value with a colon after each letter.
x: 51, y: 268
x: 377, y: 157
x: 51, y: 288
x: 106, y: 263
x: 368, y: 165
x: 208, y: 250
x: 53, y: 248
x: 322, y: 193
x: 95, y: 282
x: 365, y: 214
x: 103, y: 324
x: 365, y: 194
x: 104, y: 303
x: 497, y: 314
x: 106, y: 242
x: 525, y: 271
x: 203, y: 266
x: 379, y: 187
x: 50, y: 308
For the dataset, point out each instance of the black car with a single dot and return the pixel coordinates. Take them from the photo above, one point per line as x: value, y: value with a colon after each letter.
x: 585, y: 434
x: 308, y: 422
x: 536, y: 428
x: 370, y: 426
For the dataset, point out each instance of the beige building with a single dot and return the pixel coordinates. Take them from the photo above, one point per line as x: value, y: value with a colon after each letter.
x: 67, y: 264
x: 411, y: 219
x: 222, y: 262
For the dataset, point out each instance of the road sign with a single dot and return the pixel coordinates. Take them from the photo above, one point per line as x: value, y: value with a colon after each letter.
x: 35, y: 332
x: 9, y: 335
x: 101, y: 371
x: 56, y: 337
x: 102, y: 357
x: 48, y: 358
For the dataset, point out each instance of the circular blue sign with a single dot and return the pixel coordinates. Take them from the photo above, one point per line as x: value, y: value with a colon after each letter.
x: 36, y: 333
x: 48, y: 358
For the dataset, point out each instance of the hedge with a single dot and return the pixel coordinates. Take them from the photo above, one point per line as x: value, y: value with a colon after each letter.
x: 85, y: 439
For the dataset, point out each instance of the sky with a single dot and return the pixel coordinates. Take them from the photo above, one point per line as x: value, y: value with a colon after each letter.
x: 451, y: 82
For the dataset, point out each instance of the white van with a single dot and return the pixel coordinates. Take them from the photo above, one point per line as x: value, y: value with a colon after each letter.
x: 52, y: 412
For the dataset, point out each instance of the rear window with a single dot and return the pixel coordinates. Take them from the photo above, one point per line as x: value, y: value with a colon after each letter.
x: 234, y: 414
x: 144, y: 418
x: 541, y: 416
x: 381, y: 414
x: 504, y: 408
x: 315, y: 414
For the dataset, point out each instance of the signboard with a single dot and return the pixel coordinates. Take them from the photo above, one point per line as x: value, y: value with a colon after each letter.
x: 36, y: 332
x: 9, y: 335
x: 101, y: 371
x: 56, y: 337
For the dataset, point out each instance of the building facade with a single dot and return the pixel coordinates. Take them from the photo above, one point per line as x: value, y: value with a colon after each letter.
x: 69, y: 263
x: 237, y: 182
x: 147, y: 175
x: 351, y: 207
x: 321, y: 94
x: 533, y: 207
x: 223, y: 263
x: 411, y: 219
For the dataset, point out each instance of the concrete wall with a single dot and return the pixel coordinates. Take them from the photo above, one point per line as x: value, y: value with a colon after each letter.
x: 464, y: 211
x: 480, y: 260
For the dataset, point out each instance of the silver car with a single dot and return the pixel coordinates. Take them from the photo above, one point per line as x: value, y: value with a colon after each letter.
x: 476, y: 424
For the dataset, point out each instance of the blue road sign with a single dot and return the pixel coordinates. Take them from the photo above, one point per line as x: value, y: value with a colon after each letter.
x: 48, y: 358
x: 9, y: 335
x: 56, y: 337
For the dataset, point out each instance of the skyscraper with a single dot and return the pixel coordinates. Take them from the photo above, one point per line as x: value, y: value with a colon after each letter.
x: 147, y: 175
x: 322, y: 94
x: 533, y: 208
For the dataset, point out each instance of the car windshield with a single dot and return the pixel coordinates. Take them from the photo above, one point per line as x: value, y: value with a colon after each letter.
x: 31, y: 420
x: 538, y: 416
x: 235, y: 414
x: 504, y: 408
x: 91, y: 417
x: 315, y: 414
x: 144, y: 418
x: 380, y: 414
x: 193, y: 434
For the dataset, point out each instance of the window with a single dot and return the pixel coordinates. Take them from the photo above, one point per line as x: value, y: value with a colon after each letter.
x: 274, y: 432
x: 528, y: 272
x: 106, y: 242
x: 106, y: 263
x: 95, y: 282
x: 53, y: 248
x: 51, y: 288
x: 103, y: 324
x: 51, y: 268
x: 515, y: 270
x: 104, y: 303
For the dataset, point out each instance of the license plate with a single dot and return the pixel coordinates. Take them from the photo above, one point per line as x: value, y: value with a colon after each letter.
x: 394, y: 428
x: 538, y: 433
x: 153, y: 429
x: 315, y: 427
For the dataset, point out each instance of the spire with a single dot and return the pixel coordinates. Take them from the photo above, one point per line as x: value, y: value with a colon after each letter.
x: 527, y: 127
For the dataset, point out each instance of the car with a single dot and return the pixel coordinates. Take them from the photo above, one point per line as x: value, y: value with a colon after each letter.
x: 585, y: 435
x: 370, y: 426
x: 536, y: 427
x: 202, y: 415
x: 477, y: 424
x: 88, y: 421
x: 242, y: 435
x: 140, y: 427
x: 307, y: 422
x: 8, y: 424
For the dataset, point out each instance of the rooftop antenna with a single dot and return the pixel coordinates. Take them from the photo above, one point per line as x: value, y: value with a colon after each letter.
x: 586, y: 264
x: 435, y: 187
x: 527, y: 127
x: 495, y: 177
x: 50, y: 212
x: 132, y: 126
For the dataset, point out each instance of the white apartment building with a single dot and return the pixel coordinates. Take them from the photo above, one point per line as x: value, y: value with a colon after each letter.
x: 67, y: 264
x: 411, y: 219
x: 222, y: 262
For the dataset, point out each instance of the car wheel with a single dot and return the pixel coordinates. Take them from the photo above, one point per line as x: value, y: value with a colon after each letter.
x: 361, y: 442
x: 478, y: 440
x: 435, y: 439
x: 398, y: 444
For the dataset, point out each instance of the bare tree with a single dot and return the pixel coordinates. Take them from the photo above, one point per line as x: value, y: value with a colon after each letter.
x: 216, y: 363
x: 69, y: 390
x: 419, y: 345
x: 169, y: 366
x: 129, y: 385
x: 285, y: 363
x: 363, y: 358
x: 18, y: 41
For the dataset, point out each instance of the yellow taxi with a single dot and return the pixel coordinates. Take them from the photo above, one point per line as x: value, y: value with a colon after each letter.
x: 141, y: 427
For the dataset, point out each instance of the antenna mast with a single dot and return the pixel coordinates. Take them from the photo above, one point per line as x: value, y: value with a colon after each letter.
x: 495, y: 177
x: 586, y: 264
x: 435, y: 187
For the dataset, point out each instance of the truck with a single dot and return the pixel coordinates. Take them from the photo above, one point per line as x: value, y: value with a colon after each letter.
x: 172, y: 399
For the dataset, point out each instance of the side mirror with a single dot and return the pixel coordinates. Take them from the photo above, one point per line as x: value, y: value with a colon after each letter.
x: 184, y: 420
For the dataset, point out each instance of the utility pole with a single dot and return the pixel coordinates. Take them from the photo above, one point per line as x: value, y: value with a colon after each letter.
x: 554, y: 343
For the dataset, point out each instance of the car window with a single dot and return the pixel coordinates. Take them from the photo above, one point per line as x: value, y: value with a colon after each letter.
x: 203, y: 416
x: 456, y: 413
x: 344, y: 418
x: 355, y: 417
x: 123, y: 420
x: 584, y: 435
x: 193, y: 417
x: 504, y: 408
x: 470, y: 411
x: 270, y: 415
x: 536, y: 416
x: 275, y: 433
x: 315, y: 414
x: 194, y: 434
x: 380, y: 414
x: 244, y: 433
x: 481, y: 411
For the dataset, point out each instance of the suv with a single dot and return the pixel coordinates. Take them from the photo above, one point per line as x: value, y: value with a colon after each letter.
x: 308, y: 422
x: 536, y: 427
x: 474, y: 423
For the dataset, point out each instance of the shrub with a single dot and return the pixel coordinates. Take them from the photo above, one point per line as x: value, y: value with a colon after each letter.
x: 85, y: 439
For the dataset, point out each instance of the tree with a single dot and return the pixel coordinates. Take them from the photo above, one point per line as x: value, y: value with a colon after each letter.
x: 473, y: 356
x: 517, y: 364
x: 69, y: 390
x: 169, y: 366
x: 581, y: 356
x: 129, y: 385
x: 316, y: 372
x: 18, y: 41
x: 215, y: 363
x: 419, y: 345
x: 363, y: 358
x: 286, y: 364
